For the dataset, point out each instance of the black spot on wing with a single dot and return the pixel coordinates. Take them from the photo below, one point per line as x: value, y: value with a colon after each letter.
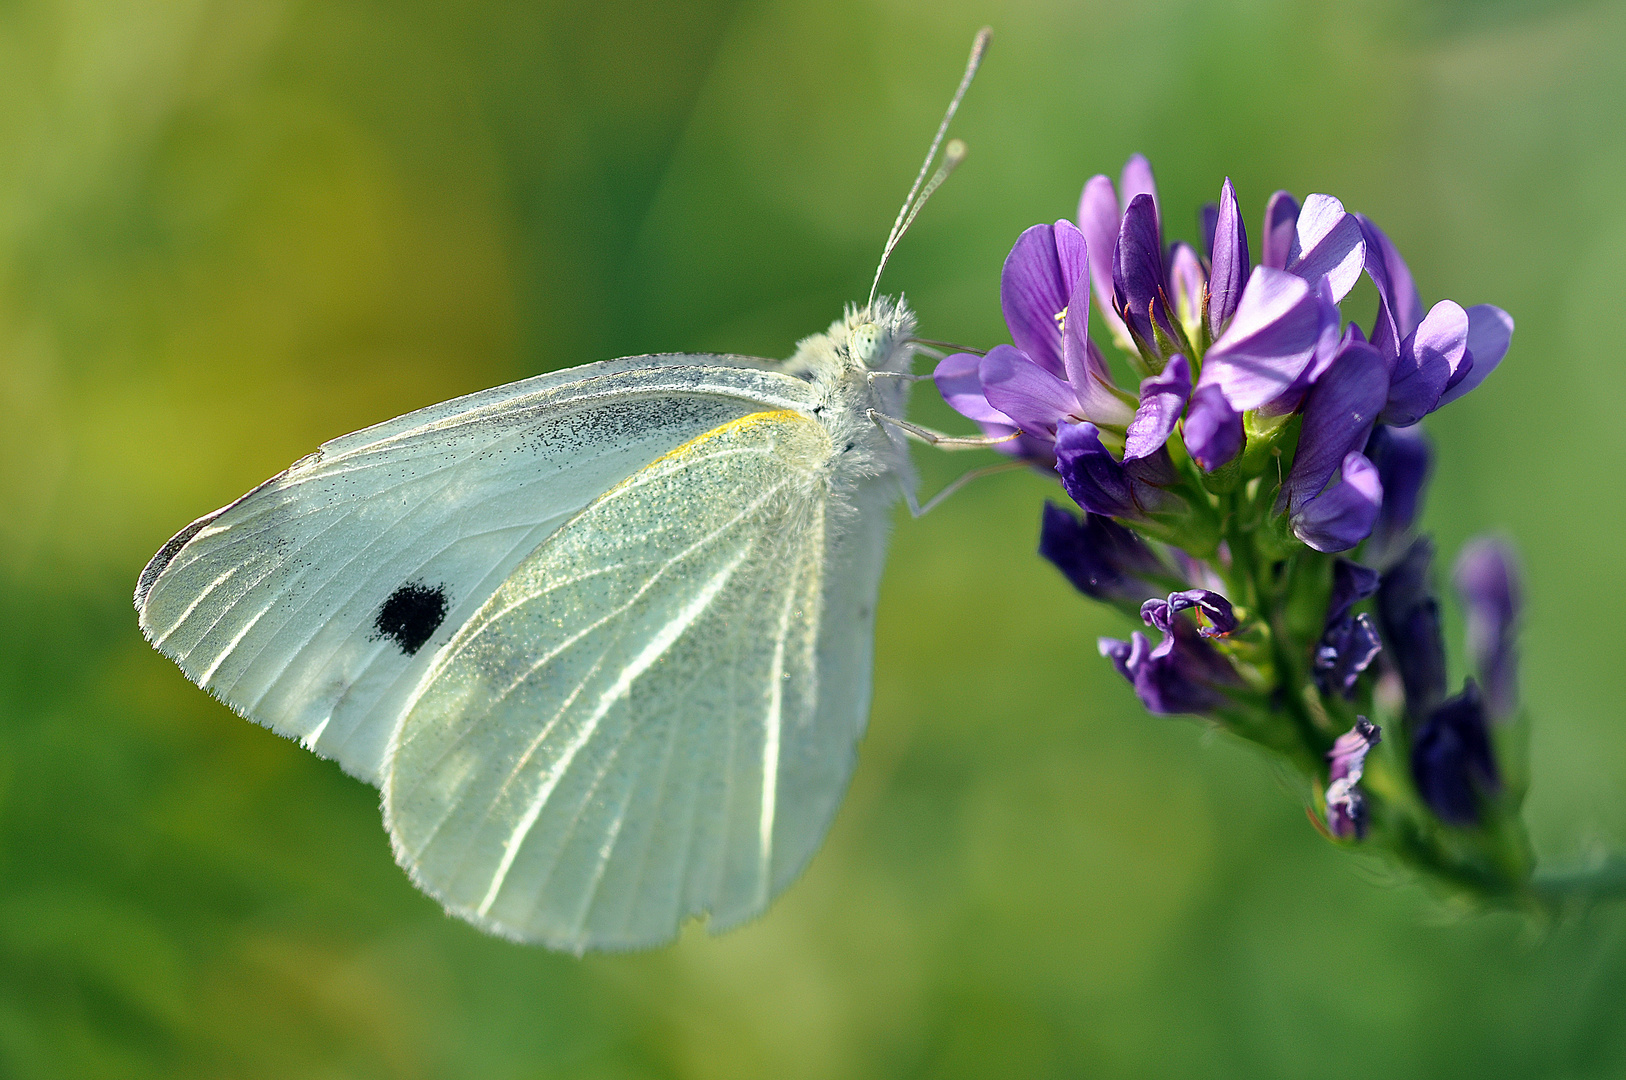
x: 411, y: 615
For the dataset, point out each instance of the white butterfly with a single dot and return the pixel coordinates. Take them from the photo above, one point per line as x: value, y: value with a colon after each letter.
x: 603, y: 637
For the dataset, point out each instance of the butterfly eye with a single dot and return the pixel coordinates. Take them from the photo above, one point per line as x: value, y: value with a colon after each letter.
x: 864, y: 343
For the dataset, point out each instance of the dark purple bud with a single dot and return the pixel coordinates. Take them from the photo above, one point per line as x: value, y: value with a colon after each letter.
x: 1281, y: 217
x: 1269, y: 342
x: 1343, y: 515
x: 1098, y: 219
x: 1101, y: 558
x: 1035, y: 400
x: 1487, y: 578
x: 1404, y: 459
x: 1409, y: 617
x: 1429, y: 357
x: 1162, y: 400
x: 1038, y: 280
x: 1346, y: 807
x: 1338, y: 417
x: 1213, y: 430
x: 1350, y: 642
x: 1228, y: 247
x: 1452, y: 762
x: 1345, y: 651
x: 1400, y: 308
x: 1327, y: 245
x: 1351, y: 583
x: 1490, y: 331
x: 1137, y: 274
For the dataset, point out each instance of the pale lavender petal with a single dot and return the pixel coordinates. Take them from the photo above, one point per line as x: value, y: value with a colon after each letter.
x: 1033, y: 398
x: 1228, y: 245
x: 1400, y: 308
x: 1328, y: 347
x: 1490, y: 331
x: 1338, y: 417
x: 1099, y: 399
x: 1034, y: 288
x: 1428, y: 357
x: 1186, y: 282
x: 1281, y: 215
x: 1162, y: 400
x: 1327, y: 243
x: 959, y: 382
x: 1137, y: 180
x: 1098, y: 219
x: 1213, y: 430
x: 1343, y: 515
x: 1270, y: 341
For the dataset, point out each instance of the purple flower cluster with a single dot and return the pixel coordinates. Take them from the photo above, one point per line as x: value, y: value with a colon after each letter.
x: 1228, y: 352
x: 1266, y: 434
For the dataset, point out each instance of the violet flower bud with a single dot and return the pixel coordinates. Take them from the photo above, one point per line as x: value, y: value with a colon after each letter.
x: 1101, y: 558
x: 1452, y: 762
x: 1409, y: 617
x: 1487, y: 578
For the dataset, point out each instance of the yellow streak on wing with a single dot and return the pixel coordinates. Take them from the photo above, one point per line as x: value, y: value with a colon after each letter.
x: 744, y: 423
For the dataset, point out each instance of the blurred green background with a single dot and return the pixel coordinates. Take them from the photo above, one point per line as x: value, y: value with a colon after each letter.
x: 230, y: 230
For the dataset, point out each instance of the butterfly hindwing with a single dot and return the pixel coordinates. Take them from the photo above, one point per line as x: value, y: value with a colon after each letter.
x: 314, y: 604
x: 636, y: 727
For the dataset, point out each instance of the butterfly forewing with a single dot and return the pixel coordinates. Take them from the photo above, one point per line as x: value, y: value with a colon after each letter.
x: 315, y: 603
x: 630, y: 730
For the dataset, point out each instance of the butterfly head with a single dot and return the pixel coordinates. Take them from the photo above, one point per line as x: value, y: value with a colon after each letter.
x: 878, y: 336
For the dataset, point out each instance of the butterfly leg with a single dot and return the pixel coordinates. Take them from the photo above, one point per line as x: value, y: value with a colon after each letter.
x: 938, y: 438
x: 918, y: 510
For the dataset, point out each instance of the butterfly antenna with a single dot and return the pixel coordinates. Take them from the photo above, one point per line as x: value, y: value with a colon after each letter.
x: 952, y: 157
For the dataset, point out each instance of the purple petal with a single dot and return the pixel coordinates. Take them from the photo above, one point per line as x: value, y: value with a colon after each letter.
x: 1136, y: 180
x: 1208, y: 222
x: 1281, y: 215
x: 1490, y: 331
x: 1162, y: 400
x: 1338, y: 417
x: 1034, y: 288
x: 1428, y: 357
x: 1228, y: 244
x: 1327, y: 243
x: 1343, y: 515
x: 1221, y: 617
x: 1400, y: 308
x: 1213, y: 430
x: 960, y: 384
x: 1099, y: 400
x: 1090, y: 475
x: 1329, y: 345
x: 1033, y: 398
x: 1186, y: 281
x: 1487, y: 578
x: 1098, y: 219
x: 1137, y: 271
x: 1270, y: 340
